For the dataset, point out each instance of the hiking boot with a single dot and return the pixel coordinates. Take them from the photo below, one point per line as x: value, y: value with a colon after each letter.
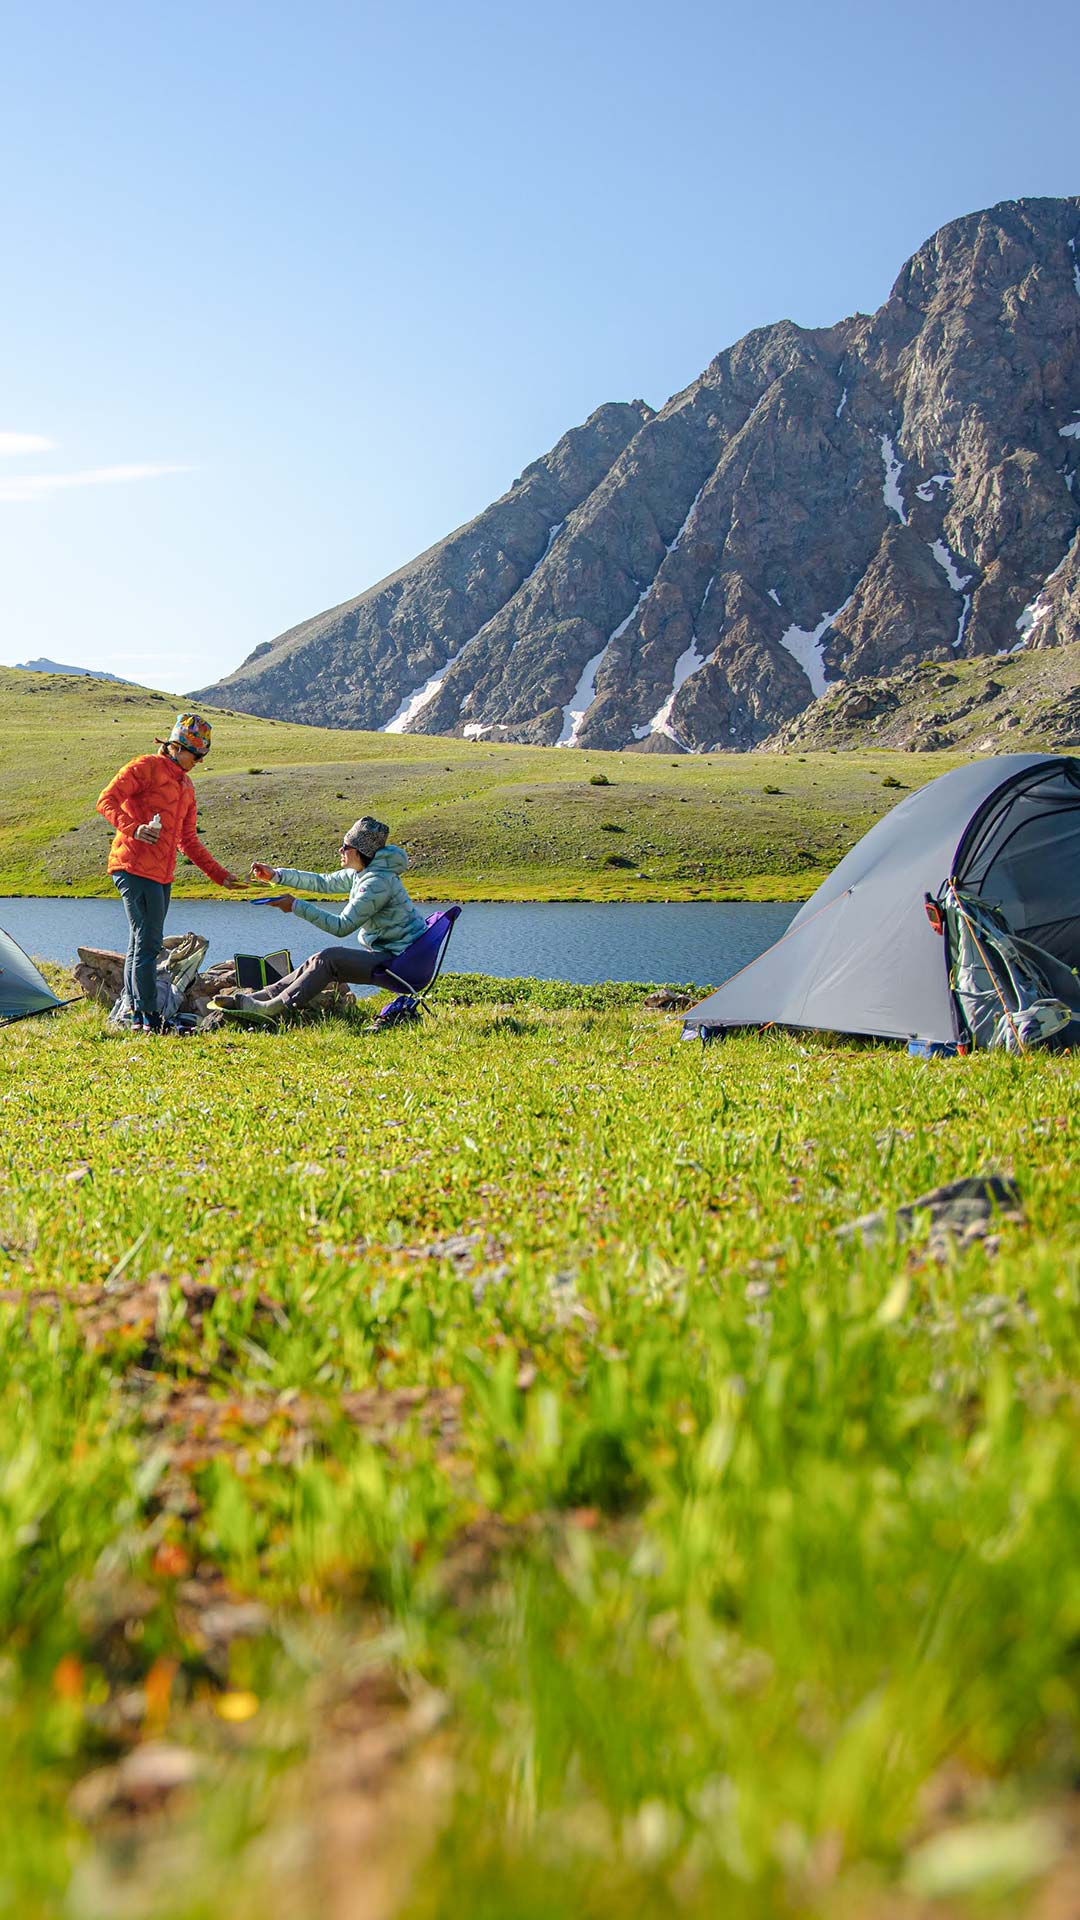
x: 226, y: 1001
x: 259, y: 1013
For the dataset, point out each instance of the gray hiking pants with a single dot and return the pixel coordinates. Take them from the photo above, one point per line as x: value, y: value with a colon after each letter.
x: 147, y: 903
x: 354, y: 964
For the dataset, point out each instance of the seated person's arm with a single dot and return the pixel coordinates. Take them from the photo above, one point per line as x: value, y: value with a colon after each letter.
x: 363, y: 902
x: 301, y: 882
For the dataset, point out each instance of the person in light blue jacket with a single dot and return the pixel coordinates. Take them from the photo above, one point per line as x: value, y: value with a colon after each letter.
x: 378, y: 910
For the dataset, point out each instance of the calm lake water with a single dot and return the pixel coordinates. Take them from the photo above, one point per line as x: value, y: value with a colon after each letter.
x: 702, y: 941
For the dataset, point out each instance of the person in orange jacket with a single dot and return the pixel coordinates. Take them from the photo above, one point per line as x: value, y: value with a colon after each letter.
x: 151, y: 803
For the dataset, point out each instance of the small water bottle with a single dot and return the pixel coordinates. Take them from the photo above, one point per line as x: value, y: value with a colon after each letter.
x: 155, y: 822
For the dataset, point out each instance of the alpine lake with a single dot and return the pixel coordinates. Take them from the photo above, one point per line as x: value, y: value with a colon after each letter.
x: 701, y: 942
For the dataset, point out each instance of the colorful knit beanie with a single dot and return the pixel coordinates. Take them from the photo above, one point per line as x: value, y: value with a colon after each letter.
x: 192, y: 733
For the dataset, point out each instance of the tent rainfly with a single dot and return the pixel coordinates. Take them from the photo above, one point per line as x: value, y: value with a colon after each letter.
x: 22, y: 989
x: 864, y: 954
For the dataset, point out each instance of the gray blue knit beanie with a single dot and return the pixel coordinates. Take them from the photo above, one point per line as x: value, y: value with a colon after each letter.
x: 367, y: 836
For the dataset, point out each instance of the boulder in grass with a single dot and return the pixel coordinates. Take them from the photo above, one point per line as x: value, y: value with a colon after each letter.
x: 960, y: 1211
x: 670, y: 1000
x: 100, y: 973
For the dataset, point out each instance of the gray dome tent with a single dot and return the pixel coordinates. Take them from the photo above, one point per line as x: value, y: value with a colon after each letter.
x: 22, y: 989
x: 862, y: 956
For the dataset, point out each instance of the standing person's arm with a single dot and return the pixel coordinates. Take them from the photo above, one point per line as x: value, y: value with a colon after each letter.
x: 189, y: 843
x: 119, y: 803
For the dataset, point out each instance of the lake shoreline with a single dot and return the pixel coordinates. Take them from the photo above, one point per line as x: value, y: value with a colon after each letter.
x: 776, y: 895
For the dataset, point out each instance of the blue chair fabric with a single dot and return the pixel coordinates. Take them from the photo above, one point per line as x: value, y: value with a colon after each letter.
x: 416, y: 969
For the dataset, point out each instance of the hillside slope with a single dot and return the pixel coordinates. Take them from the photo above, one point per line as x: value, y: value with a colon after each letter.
x: 820, y: 505
x: 973, y: 706
x: 479, y: 822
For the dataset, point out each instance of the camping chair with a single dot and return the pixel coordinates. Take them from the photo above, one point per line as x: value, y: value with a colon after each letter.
x: 416, y: 969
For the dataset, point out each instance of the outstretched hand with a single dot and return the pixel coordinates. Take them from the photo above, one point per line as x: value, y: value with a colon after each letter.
x: 260, y: 870
x: 233, y: 883
x: 285, y: 901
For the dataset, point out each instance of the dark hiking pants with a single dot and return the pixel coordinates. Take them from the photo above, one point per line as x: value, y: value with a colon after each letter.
x: 354, y: 964
x: 147, y: 903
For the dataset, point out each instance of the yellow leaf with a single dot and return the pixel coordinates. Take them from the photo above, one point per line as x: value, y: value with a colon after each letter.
x: 237, y: 1706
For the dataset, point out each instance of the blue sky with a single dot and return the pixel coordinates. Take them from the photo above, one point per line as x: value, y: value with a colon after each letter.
x: 292, y: 291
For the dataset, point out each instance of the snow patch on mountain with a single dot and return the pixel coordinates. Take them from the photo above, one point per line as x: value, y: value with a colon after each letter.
x: 961, y: 625
x: 957, y: 580
x: 1038, y: 609
x: 585, y: 692
x: 581, y: 700
x: 415, y: 702
x: 1033, y: 614
x: 422, y: 696
x: 937, y: 482
x: 553, y: 534
x: 805, y: 645
x: 694, y: 504
x: 894, y: 467
x: 686, y: 664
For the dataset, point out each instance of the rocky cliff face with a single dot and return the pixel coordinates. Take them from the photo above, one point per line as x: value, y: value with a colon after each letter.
x: 820, y: 506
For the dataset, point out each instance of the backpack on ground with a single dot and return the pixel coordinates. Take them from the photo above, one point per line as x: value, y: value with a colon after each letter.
x: 1004, y: 985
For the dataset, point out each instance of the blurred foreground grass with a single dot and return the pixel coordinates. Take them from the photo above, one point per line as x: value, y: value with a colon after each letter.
x: 465, y: 1472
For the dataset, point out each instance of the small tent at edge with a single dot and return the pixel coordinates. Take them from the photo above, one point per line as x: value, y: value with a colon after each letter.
x: 953, y: 923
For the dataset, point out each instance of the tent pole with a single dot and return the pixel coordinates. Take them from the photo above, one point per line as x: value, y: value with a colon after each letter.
x: 13, y: 1018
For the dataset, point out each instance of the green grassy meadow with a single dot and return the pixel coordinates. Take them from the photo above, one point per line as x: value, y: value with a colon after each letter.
x: 462, y: 1472
x: 479, y: 822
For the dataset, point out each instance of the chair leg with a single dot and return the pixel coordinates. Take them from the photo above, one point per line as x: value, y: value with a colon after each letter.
x: 420, y: 997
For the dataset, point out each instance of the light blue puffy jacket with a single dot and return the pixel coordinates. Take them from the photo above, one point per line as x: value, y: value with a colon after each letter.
x: 378, y: 909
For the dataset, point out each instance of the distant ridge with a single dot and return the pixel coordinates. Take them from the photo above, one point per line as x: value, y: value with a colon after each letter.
x: 822, y: 506
x: 54, y: 666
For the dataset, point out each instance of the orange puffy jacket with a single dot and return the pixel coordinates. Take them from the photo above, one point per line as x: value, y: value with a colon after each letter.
x: 154, y: 784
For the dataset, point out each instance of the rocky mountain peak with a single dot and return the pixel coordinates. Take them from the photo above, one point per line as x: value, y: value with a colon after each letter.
x: 820, y: 505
